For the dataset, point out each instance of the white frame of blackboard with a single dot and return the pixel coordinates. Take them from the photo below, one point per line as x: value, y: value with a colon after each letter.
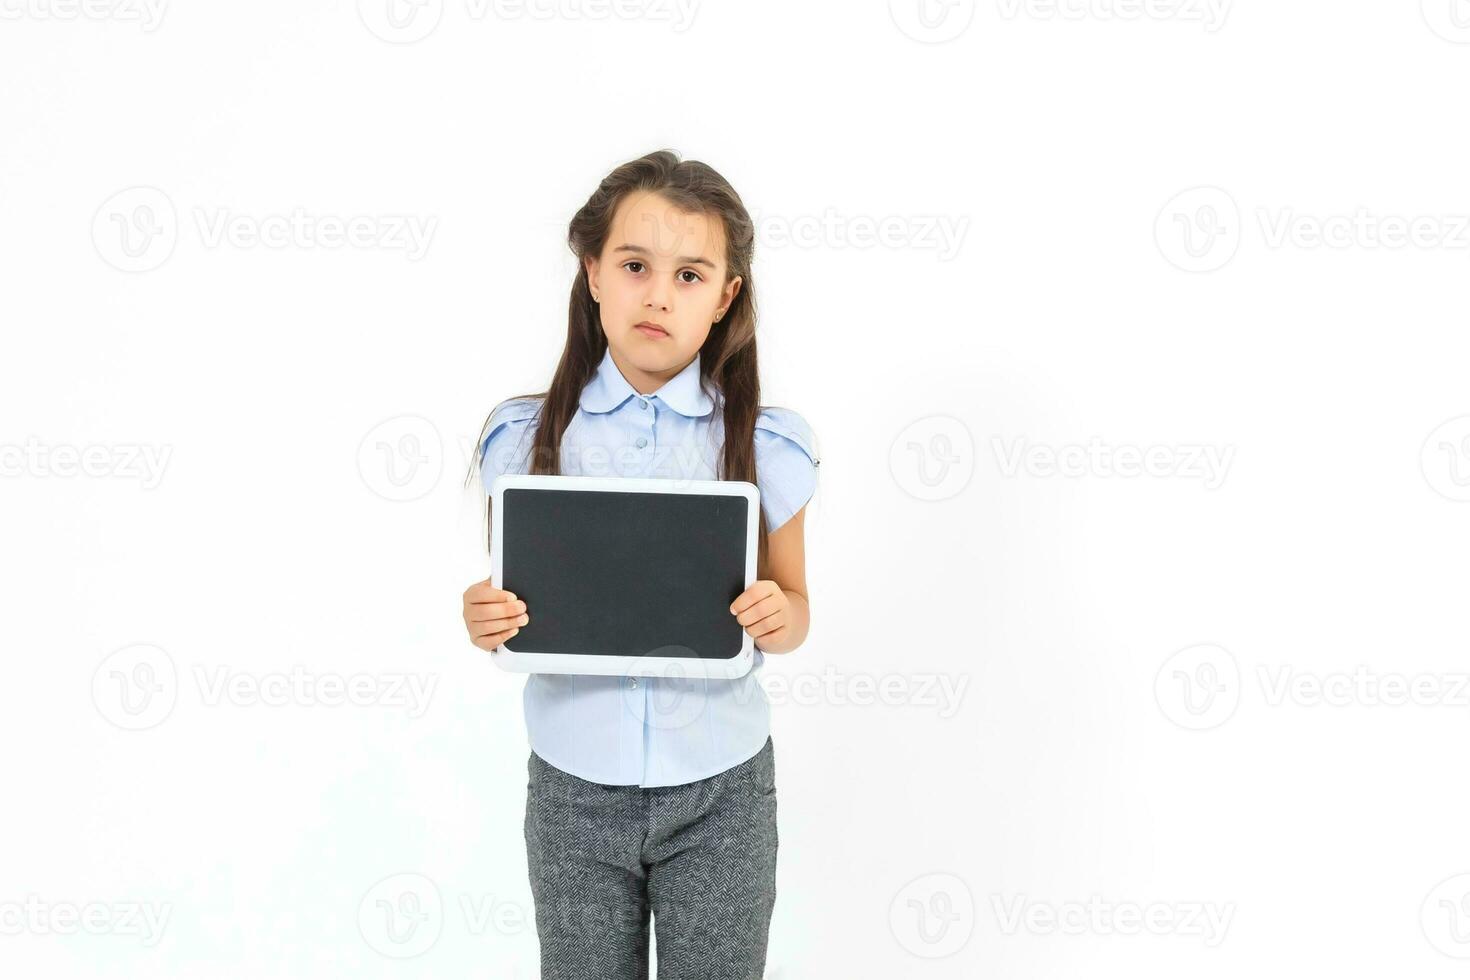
x: 530, y: 661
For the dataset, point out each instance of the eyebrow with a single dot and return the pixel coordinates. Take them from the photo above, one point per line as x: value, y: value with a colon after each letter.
x: 683, y: 259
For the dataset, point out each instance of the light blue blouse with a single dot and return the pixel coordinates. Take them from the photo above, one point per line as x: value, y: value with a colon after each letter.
x: 667, y: 730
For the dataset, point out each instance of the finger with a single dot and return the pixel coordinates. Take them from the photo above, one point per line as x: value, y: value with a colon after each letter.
x: 491, y: 627
x: 485, y: 592
x: 488, y: 594
x: 760, y: 610
x: 759, y: 591
x: 494, y: 639
x: 481, y: 612
x: 752, y: 595
x: 766, y: 626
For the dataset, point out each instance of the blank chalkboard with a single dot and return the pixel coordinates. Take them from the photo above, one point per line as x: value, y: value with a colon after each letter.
x: 623, y: 575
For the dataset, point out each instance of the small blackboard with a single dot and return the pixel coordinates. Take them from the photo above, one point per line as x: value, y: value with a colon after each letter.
x: 625, y: 576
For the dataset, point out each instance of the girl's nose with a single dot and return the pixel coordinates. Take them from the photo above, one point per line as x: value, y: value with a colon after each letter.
x: 658, y: 293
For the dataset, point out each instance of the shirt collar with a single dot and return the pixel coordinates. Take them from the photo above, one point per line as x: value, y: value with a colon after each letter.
x: 683, y: 392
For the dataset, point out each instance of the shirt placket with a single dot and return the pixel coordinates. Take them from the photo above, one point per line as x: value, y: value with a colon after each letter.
x: 645, y: 440
x: 645, y: 436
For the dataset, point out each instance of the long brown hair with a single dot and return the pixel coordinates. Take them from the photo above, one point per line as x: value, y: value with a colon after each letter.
x: 727, y: 359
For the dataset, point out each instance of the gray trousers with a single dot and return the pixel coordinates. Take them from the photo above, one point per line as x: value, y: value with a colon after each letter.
x: 701, y: 857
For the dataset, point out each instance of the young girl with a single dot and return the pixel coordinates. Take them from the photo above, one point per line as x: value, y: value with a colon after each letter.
x: 657, y: 794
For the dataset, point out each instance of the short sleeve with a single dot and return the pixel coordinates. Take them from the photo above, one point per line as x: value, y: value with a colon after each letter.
x: 786, y: 462
x: 505, y: 444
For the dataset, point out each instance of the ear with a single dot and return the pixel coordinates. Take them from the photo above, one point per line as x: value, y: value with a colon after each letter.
x: 732, y: 289
x: 594, y: 266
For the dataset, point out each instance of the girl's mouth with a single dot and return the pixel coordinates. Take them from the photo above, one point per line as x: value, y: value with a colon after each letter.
x: 651, y: 330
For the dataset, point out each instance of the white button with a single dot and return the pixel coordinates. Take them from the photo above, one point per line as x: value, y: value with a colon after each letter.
x: 641, y: 443
x: 632, y: 682
x: 643, y: 403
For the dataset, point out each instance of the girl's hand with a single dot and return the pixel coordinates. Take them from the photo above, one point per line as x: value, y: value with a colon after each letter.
x: 763, y: 610
x: 492, y: 615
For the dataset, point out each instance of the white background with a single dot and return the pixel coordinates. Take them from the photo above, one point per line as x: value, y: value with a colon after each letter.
x: 1118, y: 643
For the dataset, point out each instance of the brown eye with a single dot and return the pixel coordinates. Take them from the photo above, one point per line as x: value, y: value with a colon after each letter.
x: 634, y: 262
x: 697, y: 276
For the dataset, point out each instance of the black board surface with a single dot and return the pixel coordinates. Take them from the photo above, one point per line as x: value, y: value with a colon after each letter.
x: 627, y: 574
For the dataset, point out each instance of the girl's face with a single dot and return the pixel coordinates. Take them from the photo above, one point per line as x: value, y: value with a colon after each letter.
x: 661, y: 267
